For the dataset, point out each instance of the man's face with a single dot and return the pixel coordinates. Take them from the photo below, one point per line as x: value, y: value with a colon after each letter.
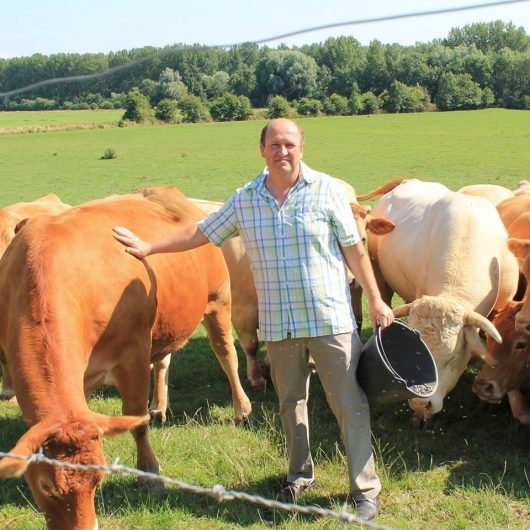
x: 282, y: 150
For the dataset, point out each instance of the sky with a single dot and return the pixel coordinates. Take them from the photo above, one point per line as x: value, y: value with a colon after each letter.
x: 89, y: 26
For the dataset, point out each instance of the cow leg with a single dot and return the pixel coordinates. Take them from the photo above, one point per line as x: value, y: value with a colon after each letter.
x: 217, y: 324
x: 520, y: 407
x: 132, y: 380
x: 8, y: 392
x: 158, y: 406
x: 248, y: 339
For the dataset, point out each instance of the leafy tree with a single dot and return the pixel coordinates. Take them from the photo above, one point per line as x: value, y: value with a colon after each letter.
x: 370, y: 103
x: 375, y: 76
x: 137, y: 107
x: 149, y: 88
x: 290, y: 74
x: 490, y: 36
x: 167, y: 110
x: 308, y: 107
x: 193, y: 109
x: 230, y: 107
x: 170, y: 85
x: 278, y: 108
x: 402, y: 98
x: 458, y: 92
x: 335, y: 105
x: 215, y: 85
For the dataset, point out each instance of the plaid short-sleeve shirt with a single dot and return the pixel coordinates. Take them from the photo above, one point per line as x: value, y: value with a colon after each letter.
x: 294, y: 253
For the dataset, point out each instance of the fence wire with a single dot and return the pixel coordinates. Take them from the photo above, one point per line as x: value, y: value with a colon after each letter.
x: 218, y: 491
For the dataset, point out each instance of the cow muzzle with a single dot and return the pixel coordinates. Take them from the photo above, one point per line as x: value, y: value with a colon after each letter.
x: 487, y: 390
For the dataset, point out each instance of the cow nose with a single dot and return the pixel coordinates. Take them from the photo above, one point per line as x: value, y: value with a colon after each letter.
x: 483, y: 387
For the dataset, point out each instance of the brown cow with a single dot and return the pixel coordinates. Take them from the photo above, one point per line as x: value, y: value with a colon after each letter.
x: 10, y: 219
x: 507, y: 365
x: 515, y: 214
x: 83, y: 313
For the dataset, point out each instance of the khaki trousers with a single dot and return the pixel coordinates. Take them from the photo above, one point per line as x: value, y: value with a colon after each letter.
x: 336, y: 358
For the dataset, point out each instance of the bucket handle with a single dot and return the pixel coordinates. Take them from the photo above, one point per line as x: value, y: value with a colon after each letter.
x: 385, y: 358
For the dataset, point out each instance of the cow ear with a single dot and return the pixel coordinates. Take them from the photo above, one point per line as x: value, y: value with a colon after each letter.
x: 359, y: 211
x: 112, y: 425
x: 379, y: 226
x: 28, y: 444
x: 519, y: 247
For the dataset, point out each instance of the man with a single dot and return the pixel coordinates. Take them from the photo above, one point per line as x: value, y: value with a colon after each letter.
x: 297, y: 227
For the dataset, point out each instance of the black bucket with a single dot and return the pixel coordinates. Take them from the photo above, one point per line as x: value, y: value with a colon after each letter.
x: 396, y: 365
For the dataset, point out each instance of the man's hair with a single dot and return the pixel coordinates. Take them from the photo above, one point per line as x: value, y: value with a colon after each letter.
x: 266, y: 128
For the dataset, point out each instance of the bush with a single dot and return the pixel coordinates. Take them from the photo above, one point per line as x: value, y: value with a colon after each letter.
x: 137, y: 107
x: 308, y: 107
x: 167, y: 110
x: 229, y: 107
x: 193, y: 109
x: 370, y: 103
x: 335, y: 105
x: 279, y: 108
x: 109, y: 154
x: 458, y: 92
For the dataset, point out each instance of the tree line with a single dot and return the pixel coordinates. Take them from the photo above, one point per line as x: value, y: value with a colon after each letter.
x: 476, y: 66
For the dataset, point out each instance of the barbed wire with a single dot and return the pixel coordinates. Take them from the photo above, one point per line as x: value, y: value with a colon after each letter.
x: 218, y: 492
x: 181, y: 47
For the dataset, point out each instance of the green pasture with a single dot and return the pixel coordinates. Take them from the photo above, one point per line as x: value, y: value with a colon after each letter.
x: 469, y: 470
x: 210, y: 160
x: 28, y: 120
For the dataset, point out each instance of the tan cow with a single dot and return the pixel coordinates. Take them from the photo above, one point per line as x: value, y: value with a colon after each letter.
x: 10, y: 218
x: 507, y: 365
x: 82, y: 313
x: 492, y: 192
x: 447, y: 258
x: 515, y: 214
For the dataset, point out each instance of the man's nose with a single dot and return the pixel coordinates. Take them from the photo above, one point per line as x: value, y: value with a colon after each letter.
x: 283, y: 150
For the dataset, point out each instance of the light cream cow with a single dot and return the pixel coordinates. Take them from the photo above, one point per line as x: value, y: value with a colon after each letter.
x: 447, y: 257
x: 492, y: 192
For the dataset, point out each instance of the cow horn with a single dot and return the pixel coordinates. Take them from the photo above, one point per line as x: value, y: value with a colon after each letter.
x: 473, y: 318
x: 402, y: 310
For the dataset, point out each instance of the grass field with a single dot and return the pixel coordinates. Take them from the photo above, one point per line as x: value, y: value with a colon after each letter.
x: 470, y: 470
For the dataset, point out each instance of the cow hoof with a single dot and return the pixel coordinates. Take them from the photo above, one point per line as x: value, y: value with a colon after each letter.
x: 245, y: 421
x: 157, y: 416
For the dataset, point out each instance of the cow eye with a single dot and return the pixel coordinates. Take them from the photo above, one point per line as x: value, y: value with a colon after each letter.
x: 520, y: 345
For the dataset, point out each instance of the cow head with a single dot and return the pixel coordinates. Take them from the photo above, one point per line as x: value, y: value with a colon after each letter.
x: 66, y: 496
x: 449, y: 330
x: 521, y: 250
x: 506, y: 365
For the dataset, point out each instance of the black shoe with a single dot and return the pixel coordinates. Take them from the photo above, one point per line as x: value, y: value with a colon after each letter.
x: 292, y: 491
x: 367, y: 509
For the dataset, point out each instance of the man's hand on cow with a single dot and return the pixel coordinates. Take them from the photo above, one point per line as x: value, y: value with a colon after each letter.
x: 133, y: 244
x: 381, y: 315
